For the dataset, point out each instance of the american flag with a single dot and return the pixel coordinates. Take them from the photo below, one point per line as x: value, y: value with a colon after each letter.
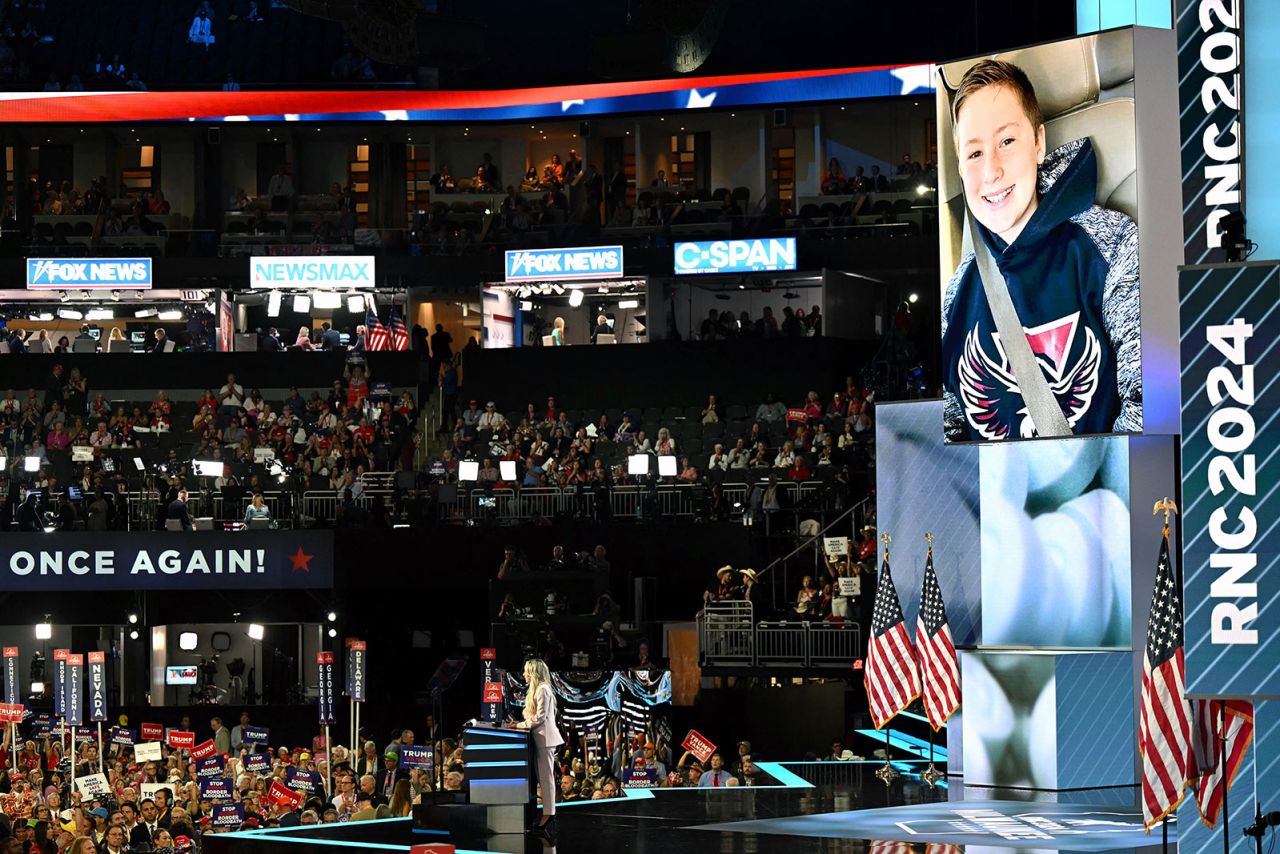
x: 1164, y: 724
x: 939, y: 669
x: 399, y: 332
x: 375, y: 336
x: 1237, y: 718
x: 891, y: 677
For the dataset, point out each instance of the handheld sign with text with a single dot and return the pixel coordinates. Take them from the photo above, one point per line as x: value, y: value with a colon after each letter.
x: 94, y: 785
x: 97, y: 685
x: 851, y: 586
x: 124, y: 736
x: 11, y: 713
x: 255, y: 735
x: 304, y: 781
x: 493, y: 692
x: 180, y: 740
x: 416, y: 756
x: 836, y: 546
x: 74, y: 711
x: 11, y: 688
x: 148, y: 751
x: 325, y: 687
x: 282, y: 795
x: 257, y: 763
x: 698, y: 745
x: 212, y: 766
x: 640, y: 778
x: 203, y: 750
x: 152, y: 732
x: 358, y: 662
x: 215, y: 789
x: 60, y: 681
x: 228, y: 815
x: 149, y: 790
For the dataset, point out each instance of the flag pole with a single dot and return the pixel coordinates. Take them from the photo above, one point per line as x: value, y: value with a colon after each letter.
x: 1223, y: 759
x: 886, y: 772
x: 100, y: 768
x: 931, y: 774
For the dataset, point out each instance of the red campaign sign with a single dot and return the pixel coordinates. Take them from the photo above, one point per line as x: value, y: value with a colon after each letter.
x: 182, y: 740
x: 10, y: 652
x: 75, y: 660
x: 492, y: 692
x: 11, y: 713
x: 697, y: 744
x: 152, y: 732
x: 281, y: 794
x: 97, y: 658
x: 797, y: 415
x: 488, y: 653
x: 353, y: 643
x: 203, y: 750
x: 324, y: 658
x: 61, y: 654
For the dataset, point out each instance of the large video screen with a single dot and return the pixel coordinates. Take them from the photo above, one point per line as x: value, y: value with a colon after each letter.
x: 1055, y: 544
x: 1038, y: 198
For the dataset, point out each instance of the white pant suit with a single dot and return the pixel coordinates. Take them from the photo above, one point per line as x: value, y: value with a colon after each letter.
x: 540, y: 721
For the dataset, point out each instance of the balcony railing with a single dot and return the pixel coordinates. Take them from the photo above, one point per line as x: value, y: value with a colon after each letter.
x: 729, y: 636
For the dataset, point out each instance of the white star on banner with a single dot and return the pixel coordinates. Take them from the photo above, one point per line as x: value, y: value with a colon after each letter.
x: 697, y: 101
x: 915, y: 77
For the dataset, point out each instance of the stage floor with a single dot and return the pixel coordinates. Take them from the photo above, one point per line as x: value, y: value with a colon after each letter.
x: 818, y: 807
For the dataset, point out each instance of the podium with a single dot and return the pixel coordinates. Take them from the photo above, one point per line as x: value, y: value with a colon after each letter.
x: 501, y: 776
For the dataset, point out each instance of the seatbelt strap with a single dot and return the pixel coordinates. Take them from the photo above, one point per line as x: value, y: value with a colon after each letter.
x: 1042, y: 405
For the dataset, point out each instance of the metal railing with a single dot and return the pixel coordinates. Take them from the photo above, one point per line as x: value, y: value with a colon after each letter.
x: 728, y: 635
x: 680, y: 501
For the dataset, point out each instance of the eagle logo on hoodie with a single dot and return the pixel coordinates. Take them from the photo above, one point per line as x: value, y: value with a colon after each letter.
x: 986, y: 381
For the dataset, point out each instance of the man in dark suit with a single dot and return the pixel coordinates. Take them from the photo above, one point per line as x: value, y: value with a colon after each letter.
x: 140, y: 837
x: 271, y: 341
x: 178, y: 510
x: 389, y: 774
x: 330, y: 338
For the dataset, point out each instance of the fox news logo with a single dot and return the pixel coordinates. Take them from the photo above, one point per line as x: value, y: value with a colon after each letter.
x: 736, y: 256
x: 105, y: 273
x: 353, y: 271
x: 543, y: 265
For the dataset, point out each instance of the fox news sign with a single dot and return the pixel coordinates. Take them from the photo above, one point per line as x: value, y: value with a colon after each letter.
x: 736, y: 256
x: 550, y: 265
x: 89, y: 273
x: 322, y: 272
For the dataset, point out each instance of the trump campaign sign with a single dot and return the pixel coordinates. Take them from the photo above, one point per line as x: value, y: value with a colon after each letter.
x: 312, y: 271
x: 81, y: 561
x: 758, y: 255
x: 549, y: 265
x: 110, y: 274
x: 699, y: 745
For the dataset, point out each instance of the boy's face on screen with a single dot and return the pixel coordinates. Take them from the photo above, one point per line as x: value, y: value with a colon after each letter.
x: 999, y: 153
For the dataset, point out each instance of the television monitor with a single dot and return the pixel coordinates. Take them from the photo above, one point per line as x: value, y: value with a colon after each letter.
x: 181, y: 674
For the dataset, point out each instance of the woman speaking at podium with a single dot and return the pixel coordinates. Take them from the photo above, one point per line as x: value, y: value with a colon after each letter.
x: 540, y: 721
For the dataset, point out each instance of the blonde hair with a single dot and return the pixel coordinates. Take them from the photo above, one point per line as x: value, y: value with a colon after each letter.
x: 536, y: 672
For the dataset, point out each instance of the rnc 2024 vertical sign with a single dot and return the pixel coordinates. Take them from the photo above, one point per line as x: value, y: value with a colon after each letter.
x: 1210, y: 58
x: 1230, y: 486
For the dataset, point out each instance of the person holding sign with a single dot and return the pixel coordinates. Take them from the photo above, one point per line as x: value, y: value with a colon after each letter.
x: 540, y: 721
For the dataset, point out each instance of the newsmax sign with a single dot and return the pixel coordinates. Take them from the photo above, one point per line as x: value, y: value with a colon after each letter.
x: 551, y: 265
x: 321, y: 272
x: 89, y: 273
x: 736, y: 256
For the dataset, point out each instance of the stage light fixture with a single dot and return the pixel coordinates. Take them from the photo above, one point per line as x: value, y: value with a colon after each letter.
x: 468, y: 471
x: 333, y: 633
x: 273, y: 304
x: 629, y: 303
x: 913, y: 298
x: 133, y: 634
x: 188, y: 641
x: 332, y: 616
x: 37, y: 687
x: 255, y: 631
x: 171, y: 314
x: 575, y: 298
x: 31, y: 464
x: 559, y: 289
x: 42, y: 315
x: 638, y: 465
x: 525, y: 305
x: 355, y: 304
x: 327, y: 300
x: 302, y: 304
x: 922, y: 190
x: 667, y: 466
x: 99, y: 314
x: 65, y: 296
x: 133, y: 619
x: 115, y: 295
x: 507, y: 469
x: 145, y: 312
x: 44, y: 631
x: 209, y: 468
x: 70, y: 314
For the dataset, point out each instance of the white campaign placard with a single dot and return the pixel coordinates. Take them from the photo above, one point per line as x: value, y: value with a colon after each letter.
x: 93, y: 784
x: 850, y: 586
x: 149, y: 790
x: 148, y: 752
x: 836, y: 546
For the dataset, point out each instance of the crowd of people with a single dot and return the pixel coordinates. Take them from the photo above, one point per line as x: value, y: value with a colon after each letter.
x: 907, y: 177
x: 298, y: 443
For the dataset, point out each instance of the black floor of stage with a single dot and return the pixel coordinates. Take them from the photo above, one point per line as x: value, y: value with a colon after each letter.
x: 809, y: 813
